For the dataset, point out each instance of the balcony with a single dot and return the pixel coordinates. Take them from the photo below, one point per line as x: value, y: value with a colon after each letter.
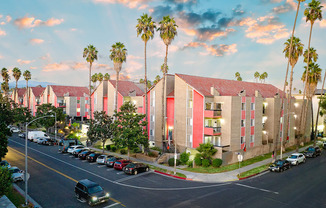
x: 212, y: 113
x: 213, y: 131
x: 62, y: 105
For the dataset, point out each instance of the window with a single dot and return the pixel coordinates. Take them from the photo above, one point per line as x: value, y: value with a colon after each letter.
x: 153, y: 98
x: 252, y: 106
x: 78, y: 110
x: 243, y: 106
x: 242, y: 140
x: 252, y: 122
x: 243, y: 123
x: 78, y: 101
x: 218, y: 106
x: 189, y: 121
x: 189, y: 140
x: 151, y: 132
x: 86, y: 109
x: 217, y: 141
x: 190, y: 104
x: 252, y: 138
x: 86, y: 101
x: 207, y: 140
x: 95, y: 99
x: 152, y: 118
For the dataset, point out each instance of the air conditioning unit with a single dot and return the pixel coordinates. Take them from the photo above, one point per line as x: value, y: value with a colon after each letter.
x: 151, y: 144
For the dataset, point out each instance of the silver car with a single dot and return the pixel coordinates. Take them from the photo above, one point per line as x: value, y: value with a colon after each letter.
x: 102, y: 159
x: 17, y: 174
x: 296, y: 158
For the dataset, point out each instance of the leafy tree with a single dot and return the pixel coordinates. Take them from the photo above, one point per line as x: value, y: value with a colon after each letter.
x: 17, y: 74
x: 47, y: 122
x: 27, y: 76
x: 5, y: 181
x: 106, y: 77
x: 101, y: 128
x: 118, y: 56
x: 237, y: 76
x: 130, y: 128
x: 6, y: 78
x: 313, y: 56
x: 100, y: 77
x: 22, y: 115
x: 256, y: 75
x: 90, y: 53
x: 206, y: 151
x: 6, y: 118
x: 94, y: 79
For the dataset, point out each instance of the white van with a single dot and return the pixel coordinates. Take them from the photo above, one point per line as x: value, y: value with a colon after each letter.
x: 34, y: 134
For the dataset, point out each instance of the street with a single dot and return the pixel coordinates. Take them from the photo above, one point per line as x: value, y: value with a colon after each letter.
x: 54, y: 175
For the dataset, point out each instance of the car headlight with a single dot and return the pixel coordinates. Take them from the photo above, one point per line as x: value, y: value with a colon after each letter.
x: 94, y: 198
x: 107, y: 194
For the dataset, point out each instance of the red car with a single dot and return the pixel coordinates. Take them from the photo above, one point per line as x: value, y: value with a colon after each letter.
x: 120, y: 164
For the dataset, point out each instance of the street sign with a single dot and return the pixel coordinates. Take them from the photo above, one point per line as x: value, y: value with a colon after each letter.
x: 240, y: 158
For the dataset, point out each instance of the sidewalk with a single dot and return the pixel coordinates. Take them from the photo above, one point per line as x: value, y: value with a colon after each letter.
x: 204, y: 177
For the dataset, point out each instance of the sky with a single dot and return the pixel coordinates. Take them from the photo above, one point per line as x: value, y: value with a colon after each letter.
x: 216, y: 38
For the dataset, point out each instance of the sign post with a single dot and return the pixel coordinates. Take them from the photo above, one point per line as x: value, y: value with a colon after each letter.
x: 240, y: 158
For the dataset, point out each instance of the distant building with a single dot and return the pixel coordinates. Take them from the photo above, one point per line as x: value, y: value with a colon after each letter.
x: 19, y: 96
x: 34, y: 94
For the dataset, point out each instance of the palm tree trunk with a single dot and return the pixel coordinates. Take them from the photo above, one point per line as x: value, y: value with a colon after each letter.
x: 146, y: 110
x: 90, y: 91
x: 27, y: 99
x: 164, y: 96
x: 318, y: 109
x: 312, y: 123
x: 116, y: 91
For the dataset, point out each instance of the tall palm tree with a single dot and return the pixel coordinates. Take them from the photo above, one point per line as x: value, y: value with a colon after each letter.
x: 319, y: 103
x: 17, y: 74
x: 157, y: 78
x: 6, y: 78
x: 312, y: 13
x: 94, y: 79
x: 313, y: 56
x: 118, y: 56
x: 146, y: 28
x: 27, y: 76
x: 90, y: 53
x: 100, y: 77
x: 256, y: 75
x: 265, y: 75
x: 292, y: 51
x: 106, y: 77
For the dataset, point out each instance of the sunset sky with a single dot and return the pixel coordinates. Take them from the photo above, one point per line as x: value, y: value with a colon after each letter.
x: 216, y: 38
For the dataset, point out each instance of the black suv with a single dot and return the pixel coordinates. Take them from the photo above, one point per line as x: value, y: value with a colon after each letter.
x: 312, y: 152
x: 280, y: 166
x: 91, y: 192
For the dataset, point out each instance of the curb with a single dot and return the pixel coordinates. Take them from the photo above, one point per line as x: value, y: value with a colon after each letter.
x: 30, y: 200
x: 174, y: 176
x: 253, y: 175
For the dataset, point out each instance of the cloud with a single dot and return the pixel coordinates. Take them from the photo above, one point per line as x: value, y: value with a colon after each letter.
x: 46, y: 57
x: 215, y: 49
x: 24, y: 62
x: 1, y: 57
x: 322, y: 23
x: 3, y: 33
x: 128, y: 3
x: 73, y: 29
x: 70, y: 65
x: 36, y: 41
x: 30, y: 22
x: 56, y: 67
x: 32, y: 67
x: 8, y: 18
x: 289, y: 5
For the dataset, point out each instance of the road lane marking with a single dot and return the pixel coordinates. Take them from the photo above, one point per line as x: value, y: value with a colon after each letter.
x: 120, y: 173
x: 109, y: 169
x: 100, y: 166
x: 251, y: 187
x: 56, y: 171
x: 112, y: 205
x: 131, y: 177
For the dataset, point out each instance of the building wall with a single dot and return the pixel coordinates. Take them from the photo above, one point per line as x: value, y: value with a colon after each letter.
x: 197, y: 120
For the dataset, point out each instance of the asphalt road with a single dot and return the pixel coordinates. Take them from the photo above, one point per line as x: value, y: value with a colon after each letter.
x: 54, y: 175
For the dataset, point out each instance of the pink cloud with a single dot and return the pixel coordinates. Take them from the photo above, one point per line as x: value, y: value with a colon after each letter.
x: 322, y: 23
x: 2, y: 33
x: 30, y: 22
x: 69, y: 65
x: 128, y: 3
x: 36, y: 41
x: 56, y: 67
x: 23, y: 62
x: 1, y: 57
x: 214, y: 50
x: 8, y: 18
x: 32, y: 67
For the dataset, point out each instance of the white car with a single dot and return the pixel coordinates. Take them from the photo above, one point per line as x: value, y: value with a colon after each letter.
x: 14, y: 130
x: 17, y: 174
x: 296, y: 158
x: 71, y: 149
x: 41, y: 140
x: 102, y: 159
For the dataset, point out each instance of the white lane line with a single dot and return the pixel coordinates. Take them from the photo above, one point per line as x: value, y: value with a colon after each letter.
x: 92, y: 163
x: 132, y: 177
x: 100, y: 166
x: 112, y: 205
x: 260, y: 189
x: 109, y: 169
x: 121, y: 184
x: 120, y: 173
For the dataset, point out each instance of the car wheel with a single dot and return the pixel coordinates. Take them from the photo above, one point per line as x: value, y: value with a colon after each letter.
x: 77, y: 196
x: 147, y: 169
x: 136, y: 172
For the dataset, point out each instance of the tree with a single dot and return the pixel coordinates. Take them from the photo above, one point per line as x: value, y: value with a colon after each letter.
x: 312, y: 13
x: 27, y: 76
x: 90, y: 53
x: 6, y: 118
x: 17, y: 74
x: 145, y: 27
x: 100, y: 77
x: 206, y: 151
x: 6, y: 78
x: 313, y: 55
x: 157, y: 79
x: 118, y: 56
x: 102, y: 128
x: 265, y: 75
x: 130, y: 128
x: 22, y: 115
x: 256, y: 75
x: 5, y: 181
x: 106, y: 77
x: 237, y: 76
x: 47, y: 110
x: 94, y: 79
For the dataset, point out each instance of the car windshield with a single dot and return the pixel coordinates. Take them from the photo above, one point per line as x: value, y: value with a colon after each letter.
x: 310, y: 149
x: 15, y: 170
x: 94, y: 189
x: 92, y: 155
x: 131, y: 165
x: 294, y: 157
x: 112, y: 159
x: 100, y: 157
x: 279, y: 162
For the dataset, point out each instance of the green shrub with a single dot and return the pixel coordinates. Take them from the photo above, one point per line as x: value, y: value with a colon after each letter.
x: 108, y: 147
x: 206, y: 163
x: 5, y: 181
x: 190, y: 164
x: 113, y: 148
x: 151, y: 154
x: 123, y: 151
x: 184, y: 157
x: 198, y: 161
x: 171, y: 162
x: 156, y: 148
x: 137, y: 150
x: 217, y: 162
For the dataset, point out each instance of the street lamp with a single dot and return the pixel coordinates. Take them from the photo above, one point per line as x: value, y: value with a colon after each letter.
x: 26, y: 136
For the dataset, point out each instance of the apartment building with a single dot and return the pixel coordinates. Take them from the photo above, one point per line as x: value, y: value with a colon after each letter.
x: 34, y: 94
x: 74, y: 100
x: 18, y: 97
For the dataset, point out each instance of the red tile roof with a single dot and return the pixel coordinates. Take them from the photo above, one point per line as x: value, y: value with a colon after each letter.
x: 73, y: 91
x: 21, y: 92
x: 229, y: 87
x: 37, y: 91
x: 127, y: 87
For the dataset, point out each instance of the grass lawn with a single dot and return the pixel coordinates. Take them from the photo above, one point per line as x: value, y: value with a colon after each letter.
x: 254, y: 171
x: 166, y: 171
x: 15, y: 197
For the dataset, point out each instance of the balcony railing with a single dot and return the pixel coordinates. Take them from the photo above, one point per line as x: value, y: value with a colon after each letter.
x: 209, y: 130
x: 212, y: 113
x: 62, y: 104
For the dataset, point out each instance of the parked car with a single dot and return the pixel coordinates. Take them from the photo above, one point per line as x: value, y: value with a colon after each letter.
x: 92, y: 192
x: 49, y: 141
x: 120, y: 164
x: 280, y: 166
x: 296, y: 158
x: 41, y: 140
x: 84, y: 154
x: 71, y: 149
x: 5, y: 164
x: 324, y: 145
x: 110, y: 161
x: 36, y: 139
x: 92, y: 157
x: 77, y: 151
x: 135, y: 168
x: 22, y: 135
x: 67, y: 142
x: 103, y: 158
x: 14, y: 130
x: 17, y: 174
x: 312, y: 152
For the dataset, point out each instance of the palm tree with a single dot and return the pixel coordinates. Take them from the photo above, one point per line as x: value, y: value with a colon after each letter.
x: 106, y: 77
x: 256, y: 75
x: 17, y: 74
x: 312, y: 13
x: 27, y: 76
x: 292, y: 51
x: 265, y: 75
x: 100, y: 77
x: 319, y: 103
x: 94, y: 79
x: 145, y: 27
x: 6, y: 78
x: 90, y: 53
x: 118, y: 56
x: 157, y: 78
x: 313, y: 56
x: 237, y: 76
